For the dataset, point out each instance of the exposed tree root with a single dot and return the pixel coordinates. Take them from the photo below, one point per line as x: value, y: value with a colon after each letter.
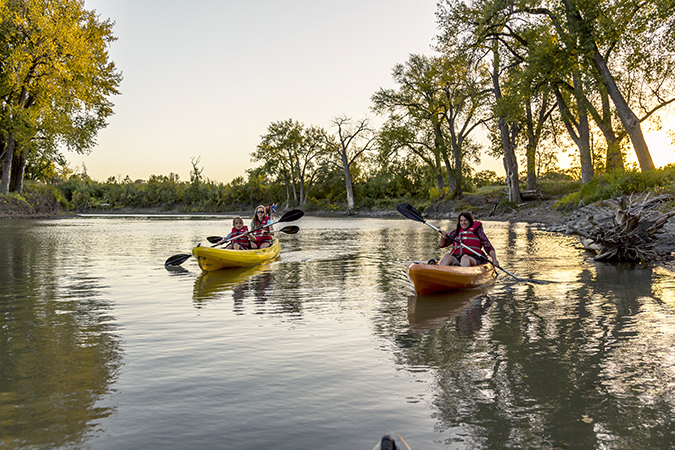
x: 631, y: 234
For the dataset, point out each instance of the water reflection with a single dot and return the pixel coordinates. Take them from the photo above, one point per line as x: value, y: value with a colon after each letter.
x: 577, y: 368
x: 59, y: 349
x: 426, y: 312
x: 585, y: 362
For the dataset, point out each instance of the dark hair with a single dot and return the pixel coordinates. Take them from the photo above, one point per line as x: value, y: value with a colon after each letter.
x: 468, y: 216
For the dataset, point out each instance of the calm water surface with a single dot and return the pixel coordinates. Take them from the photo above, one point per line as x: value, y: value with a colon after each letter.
x: 101, y: 347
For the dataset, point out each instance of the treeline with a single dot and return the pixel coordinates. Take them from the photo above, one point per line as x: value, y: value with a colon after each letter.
x: 199, y: 194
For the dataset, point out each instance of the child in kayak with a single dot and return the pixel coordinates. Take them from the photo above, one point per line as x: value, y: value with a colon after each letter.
x: 262, y: 237
x: 470, y: 233
x: 240, y: 234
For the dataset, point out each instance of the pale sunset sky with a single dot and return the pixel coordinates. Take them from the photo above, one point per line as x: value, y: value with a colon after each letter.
x: 205, y: 78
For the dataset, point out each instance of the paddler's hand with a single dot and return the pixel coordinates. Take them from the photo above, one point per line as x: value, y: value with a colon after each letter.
x: 442, y: 239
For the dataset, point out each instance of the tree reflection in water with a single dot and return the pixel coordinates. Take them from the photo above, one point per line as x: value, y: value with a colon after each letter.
x: 59, y: 348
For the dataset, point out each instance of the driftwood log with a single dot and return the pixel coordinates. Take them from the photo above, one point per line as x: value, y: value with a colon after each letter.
x: 630, y: 234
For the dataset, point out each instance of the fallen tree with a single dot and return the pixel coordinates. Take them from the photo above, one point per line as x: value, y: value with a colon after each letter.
x: 630, y: 234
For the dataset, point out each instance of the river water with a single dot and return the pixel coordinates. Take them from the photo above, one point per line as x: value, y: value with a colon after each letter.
x: 102, y: 347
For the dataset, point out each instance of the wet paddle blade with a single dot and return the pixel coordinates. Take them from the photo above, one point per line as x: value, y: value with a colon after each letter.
x: 291, y: 215
x: 177, y: 260
x: 214, y: 239
x: 410, y: 212
x: 291, y: 229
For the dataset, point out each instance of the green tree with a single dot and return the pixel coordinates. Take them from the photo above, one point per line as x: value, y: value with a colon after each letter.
x: 293, y: 153
x: 55, y: 80
x: 278, y: 149
x: 415, y: 113
x: 465, y: 87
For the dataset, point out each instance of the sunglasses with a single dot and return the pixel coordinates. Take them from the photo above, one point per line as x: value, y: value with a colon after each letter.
x: 260, y: 212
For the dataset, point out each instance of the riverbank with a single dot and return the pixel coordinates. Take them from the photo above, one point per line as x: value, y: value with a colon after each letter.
x: 542, y: 214
x: 37, y: 202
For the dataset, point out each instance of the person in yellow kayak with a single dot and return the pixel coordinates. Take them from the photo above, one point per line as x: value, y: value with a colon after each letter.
x: 470, y: 233
x: 262, y: 237
x: 240, y: 234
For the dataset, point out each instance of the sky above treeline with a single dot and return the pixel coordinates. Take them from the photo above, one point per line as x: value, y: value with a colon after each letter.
x: 204, y: 79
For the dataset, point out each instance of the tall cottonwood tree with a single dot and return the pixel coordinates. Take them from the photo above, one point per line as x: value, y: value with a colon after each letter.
x: 55, y: 80
x: 415, y: 112
x: 463, y: 27
x: 466, y: 91
x: 407, y: 134
x: 444, y: 95
x: 595, y: 29
x: 350, y: 141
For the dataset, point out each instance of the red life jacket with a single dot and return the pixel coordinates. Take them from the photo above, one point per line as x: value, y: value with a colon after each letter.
x: 241, y: 240
x: 261, y: 236
x: 468, y: 237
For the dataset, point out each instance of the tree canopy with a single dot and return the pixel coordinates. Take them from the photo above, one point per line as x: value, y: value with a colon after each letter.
x: 56, y: 80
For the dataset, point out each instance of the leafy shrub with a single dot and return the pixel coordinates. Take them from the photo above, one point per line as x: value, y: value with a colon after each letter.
x: 619, y: 183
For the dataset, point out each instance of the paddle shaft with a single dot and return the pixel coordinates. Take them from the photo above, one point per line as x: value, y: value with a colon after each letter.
x: 290, y: 229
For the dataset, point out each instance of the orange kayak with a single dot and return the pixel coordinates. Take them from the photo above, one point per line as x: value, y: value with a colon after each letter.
x: 430, y: 279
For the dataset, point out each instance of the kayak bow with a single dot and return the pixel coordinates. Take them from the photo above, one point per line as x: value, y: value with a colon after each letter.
x: 430, y: 279
x: 218, y: 258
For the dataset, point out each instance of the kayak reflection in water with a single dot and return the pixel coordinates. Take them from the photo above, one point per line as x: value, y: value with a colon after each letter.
x: 469, y: 233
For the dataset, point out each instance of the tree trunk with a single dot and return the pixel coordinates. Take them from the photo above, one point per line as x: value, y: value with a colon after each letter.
x: 457, y: 173
x: 439, y: 182
x: 18, y: 170
x: 288, y: 191
x: 531, y: 149
x: 510, y: 161
x: 578, y: 130
x: 508, y: 135
x: 628, y: 118
x: 7, y: 166
x: 348, y: 182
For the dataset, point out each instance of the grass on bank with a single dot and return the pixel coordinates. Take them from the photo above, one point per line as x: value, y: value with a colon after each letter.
x: 620, y: 183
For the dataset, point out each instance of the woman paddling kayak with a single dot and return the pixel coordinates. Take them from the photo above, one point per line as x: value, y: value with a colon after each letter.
x: 470, y: 233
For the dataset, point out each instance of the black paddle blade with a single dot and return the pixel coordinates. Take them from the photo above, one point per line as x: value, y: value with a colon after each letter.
x: 214, y: 239
x: 291, y: 215
x: 291, y: 229
x: 410, y: 212
x: 177, y: 260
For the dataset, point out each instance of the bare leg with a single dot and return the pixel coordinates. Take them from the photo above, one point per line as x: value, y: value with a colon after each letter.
x: 448, y: 260
x: 468, y: 261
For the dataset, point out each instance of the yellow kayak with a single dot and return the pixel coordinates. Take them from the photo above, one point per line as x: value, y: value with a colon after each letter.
x: 429, y: 278
x: 218, y: 258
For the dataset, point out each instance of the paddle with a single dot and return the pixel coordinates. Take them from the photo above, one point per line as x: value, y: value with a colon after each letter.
x: 290, y: 229
x: 290, y: 216
x: 177, y: 260
x: 412, y: 213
